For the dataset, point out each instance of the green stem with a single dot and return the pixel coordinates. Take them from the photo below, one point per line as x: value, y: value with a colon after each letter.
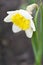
x: 38, y: 57
x: 37, y: 63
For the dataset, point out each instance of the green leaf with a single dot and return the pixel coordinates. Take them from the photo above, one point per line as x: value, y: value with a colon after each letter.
x: 41, y: 28
x: 40, y: 37
x: 41, y: 23
x: 35, y: 35
x: 37, y: 39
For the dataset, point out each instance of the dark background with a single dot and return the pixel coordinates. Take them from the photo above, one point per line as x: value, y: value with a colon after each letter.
x: 15, y: 49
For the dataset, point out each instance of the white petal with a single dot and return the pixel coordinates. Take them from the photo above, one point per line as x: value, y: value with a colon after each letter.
x: 12, y: 12
x: 29, y: 33
x: 25, y: 14
x: 33, y: 26
x: 15, y: 29
x: 22, y: 12
x: 7, y: 18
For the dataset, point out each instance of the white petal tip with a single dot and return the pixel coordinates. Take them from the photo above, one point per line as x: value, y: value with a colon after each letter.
x: 15, y: 29
x: 29, y: 33
x: 34, y: 29
x: 5, y: 20
x: 30, y: 36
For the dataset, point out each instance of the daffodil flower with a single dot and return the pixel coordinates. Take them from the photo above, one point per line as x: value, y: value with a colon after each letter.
x: 22, y: 20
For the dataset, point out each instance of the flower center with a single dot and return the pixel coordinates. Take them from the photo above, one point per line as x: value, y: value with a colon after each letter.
x: 20, y: 21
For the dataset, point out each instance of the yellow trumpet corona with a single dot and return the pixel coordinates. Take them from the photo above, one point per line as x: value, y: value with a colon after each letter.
x: 20, y: 21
